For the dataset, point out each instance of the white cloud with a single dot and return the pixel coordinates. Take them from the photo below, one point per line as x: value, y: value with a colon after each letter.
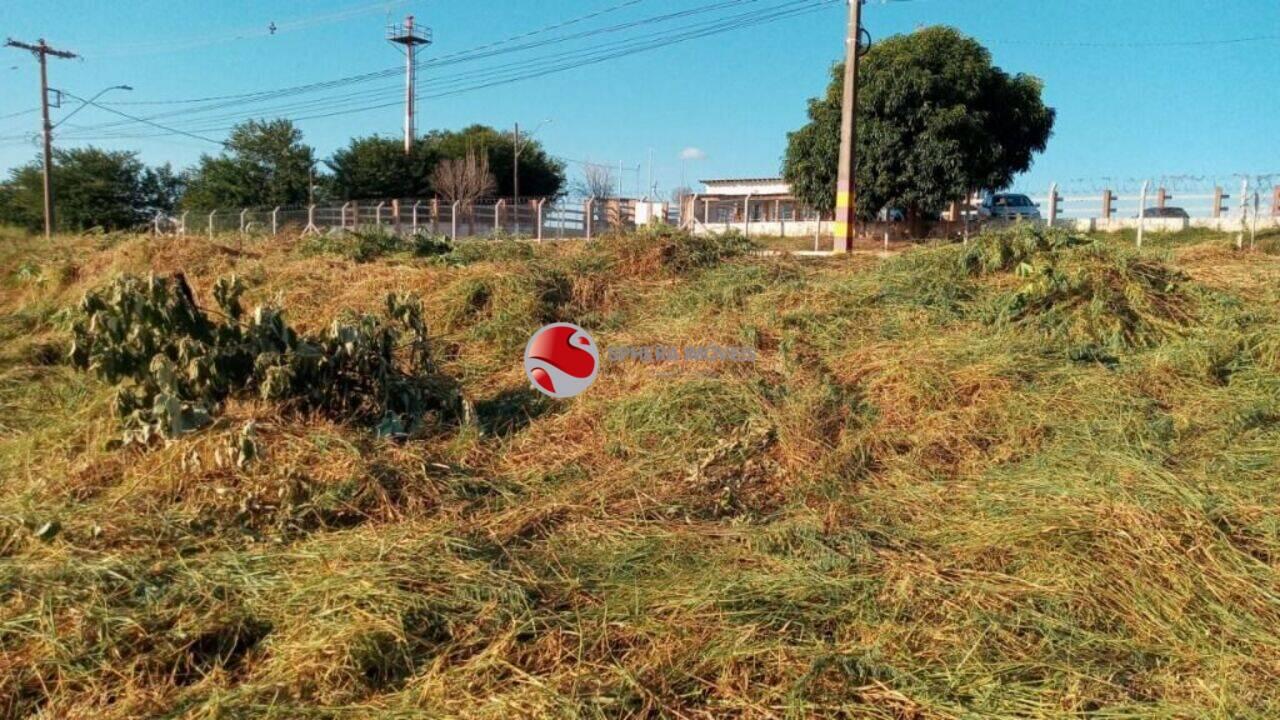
x: 692, y: 153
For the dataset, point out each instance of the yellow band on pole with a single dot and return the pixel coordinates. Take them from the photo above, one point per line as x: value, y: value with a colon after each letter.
x: 842, y: 198
x: 840, y: 228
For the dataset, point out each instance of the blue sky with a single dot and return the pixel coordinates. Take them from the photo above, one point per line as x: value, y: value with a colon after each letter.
x: 1140, y: 104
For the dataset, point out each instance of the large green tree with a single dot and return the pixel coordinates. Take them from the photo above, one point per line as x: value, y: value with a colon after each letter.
x: 541, y: 175
x: 93, y: 187
x: 936, y: 120
x: 265, y: 163
x: 377, y: 167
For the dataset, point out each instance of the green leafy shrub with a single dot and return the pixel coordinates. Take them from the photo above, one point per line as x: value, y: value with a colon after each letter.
x: 1099, y: 298
x: 360, y: 246
x: 1007, y: 249
x: 372, y: 243
x: 174, y: 364
x: 424, y: 243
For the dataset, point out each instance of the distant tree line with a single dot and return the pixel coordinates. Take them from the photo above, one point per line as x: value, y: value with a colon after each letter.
x: 266, y: 163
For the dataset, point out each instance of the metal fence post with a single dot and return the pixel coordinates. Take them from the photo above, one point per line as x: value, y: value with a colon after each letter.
x: 243, y: 213
x: 435, y: 215
x: 1053, y: 203
x: 155, y: 223
x: 1217, y: 202
x: 498, y: 209
x: 1253, y: 228
x: 377, y: 214
x: 1244, y: 212
x: 414, y: 218
x: 311, y: 221
x: 1106, y: 204
x: 453, y: 220
x: 541, y: 202
x: 183, y: 229
x: 275, y: 220
x: 395, y: 214
x: 746, y: 216
x: 343, y: 215
x: 211, y: 214
x: 588, y: 210
x: 1142, y: 210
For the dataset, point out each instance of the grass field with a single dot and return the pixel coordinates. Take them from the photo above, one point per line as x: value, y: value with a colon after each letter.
x: 1035, y: 477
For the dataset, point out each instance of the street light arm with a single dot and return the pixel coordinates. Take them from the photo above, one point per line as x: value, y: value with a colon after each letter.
x: 87, y: 103
x: 528, y: 137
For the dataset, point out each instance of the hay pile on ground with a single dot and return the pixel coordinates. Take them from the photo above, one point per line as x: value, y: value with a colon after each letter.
x: 1032, y: 477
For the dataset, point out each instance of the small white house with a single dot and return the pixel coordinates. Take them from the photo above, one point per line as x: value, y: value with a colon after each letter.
x: 762, y: 205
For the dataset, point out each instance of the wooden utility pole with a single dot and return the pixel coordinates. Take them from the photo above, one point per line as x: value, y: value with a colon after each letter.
x: 42, y: 50
x: 846, y: 184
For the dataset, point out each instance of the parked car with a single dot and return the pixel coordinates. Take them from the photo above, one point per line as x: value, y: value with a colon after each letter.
x: 1008, y: 206
x: 1166, y: 212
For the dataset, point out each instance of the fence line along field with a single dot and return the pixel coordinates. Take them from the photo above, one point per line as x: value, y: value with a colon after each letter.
x: 1033, y: 476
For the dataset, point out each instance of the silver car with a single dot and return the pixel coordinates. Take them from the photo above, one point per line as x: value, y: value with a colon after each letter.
x: 1008, y: 206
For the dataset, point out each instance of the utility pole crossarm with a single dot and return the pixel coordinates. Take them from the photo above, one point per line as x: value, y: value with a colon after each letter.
x: 41, y: 49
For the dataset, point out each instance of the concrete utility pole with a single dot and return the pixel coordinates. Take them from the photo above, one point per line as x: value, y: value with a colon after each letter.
x: 515, y: 174
x: 653, y: 189
x: 410, y: 37
x: 846, y: 184
x: 42, y: 50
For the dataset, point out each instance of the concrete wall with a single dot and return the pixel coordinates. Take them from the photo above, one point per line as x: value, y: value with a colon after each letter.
x: 1163, y: 224
x: 806, y: 228
x: 770, y: 228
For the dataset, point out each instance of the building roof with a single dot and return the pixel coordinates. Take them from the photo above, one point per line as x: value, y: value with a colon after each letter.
x: 742, y: 181
x: 748, y: 187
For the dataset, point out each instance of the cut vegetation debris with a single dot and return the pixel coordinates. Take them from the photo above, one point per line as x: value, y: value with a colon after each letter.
x: 1031, y: 477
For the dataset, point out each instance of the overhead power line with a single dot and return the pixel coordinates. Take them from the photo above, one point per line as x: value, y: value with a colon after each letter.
x: 505, y: 73
x: 144, y: 121
x: 260, y: 30
x: 392, y: 71
x: 1140, y: 44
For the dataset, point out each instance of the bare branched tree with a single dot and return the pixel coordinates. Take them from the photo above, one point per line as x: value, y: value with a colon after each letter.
x: 597, y: 181
x: 465, y: 179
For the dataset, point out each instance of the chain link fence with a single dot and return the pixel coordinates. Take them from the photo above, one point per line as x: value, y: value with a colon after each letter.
x: 537, y: 219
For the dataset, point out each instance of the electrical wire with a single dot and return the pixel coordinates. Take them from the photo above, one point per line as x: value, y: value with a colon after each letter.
x: 392, y: 70
x: 144, y: 120
x: 507, y: 73
x: 454, y: 58
x: 487, y: 77
x: 256, y: 31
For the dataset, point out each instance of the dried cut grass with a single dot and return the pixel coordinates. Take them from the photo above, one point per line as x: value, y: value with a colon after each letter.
x: 912, y: 505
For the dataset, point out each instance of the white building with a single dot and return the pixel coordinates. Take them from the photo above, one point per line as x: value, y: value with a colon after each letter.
x: 760, y: 206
